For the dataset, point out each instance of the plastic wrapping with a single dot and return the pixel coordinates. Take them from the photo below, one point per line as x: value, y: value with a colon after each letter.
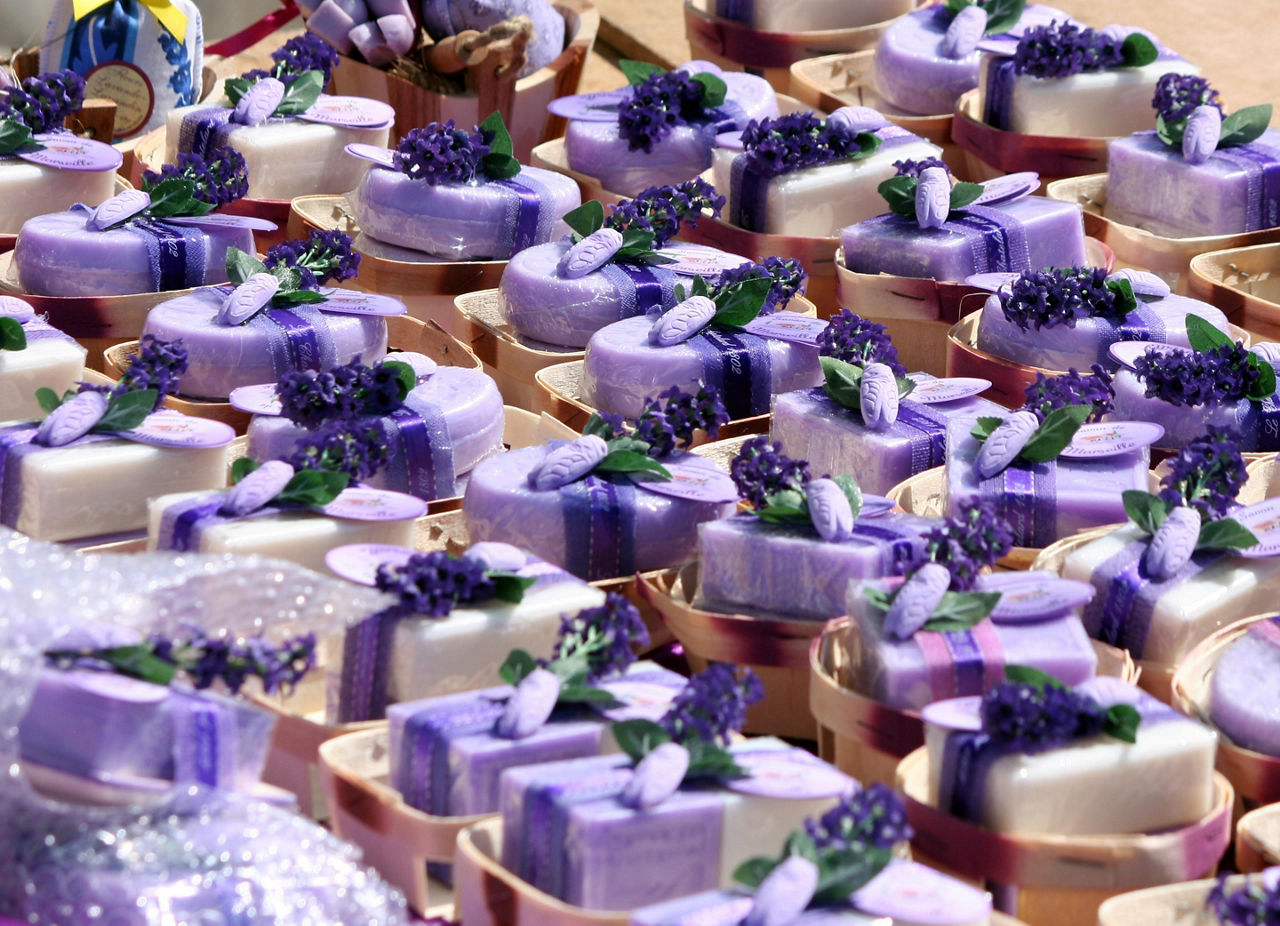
x: 1184, y: 423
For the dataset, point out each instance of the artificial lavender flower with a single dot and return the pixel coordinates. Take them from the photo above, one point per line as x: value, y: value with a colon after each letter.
x: 674, y: 416
x: 1062, y: 49
x: 761, y: 469
x: 430, y: 584
x: 874, y: 817
x: 1254, y: 903
x: 970, y: 541
x: 1052, y: 392
x: 158, y: 365
x: 1036, y: 718
x: 42, y: 103
x: 306, y: 52
x: 1207, y: 474
x: 309, y: 398
x: 713, y: 704
x: 658, y: 104
x: 441, y: 153
x: 602, y: 638
x: 1220, y: 375
x: 795, y: 140
x: 910, y: 168
x: 663, y: 210
x: 325, y: 255
x: 856, y: 340
x: 1178, y: 95
x: 342, y: 446
x: 1061, y: 296
x: 220, y: 179
x: 788, y: 275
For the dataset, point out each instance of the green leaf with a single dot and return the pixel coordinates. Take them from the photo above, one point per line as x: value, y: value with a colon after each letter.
x: 713, y: 89
x: 638, y: 738
x: 790, y: 497
x: 900, y: 194
x: 637, y: 72
x: 754, y: 870
x: 139, y: 661
x: 16, y: 136
x: 1125, y: 298
x: 301, y: 94
x: 236, y: 87
x: 783, y: 514
x: 1225, y: 534
x: 499, y: 166
x: 509, y: 587
x: 174, y: 196
x: 1144, y: 509
x: 629, y: 461
x: 962, y: 610
x: 852, y: 491
x: 707, y: 760
x: 955, y: 6
x: 48, y: 399
x: 738, y: 305
x: 1244, y: 125
x: 1053, y: 435
x: 313, y: 487
x: 1265, y: 387
x: 1203, y: 336
x: 517, y: 665
x: 127, y: 410
x: 1138, y: 51
x: 242, y: 467
x: 628, y: 442
x: 1122, y: 722
x: 1003, y: 15
x: 597, y: 426
x: 1030, y: 676
x: 405, y: 377
x: 587, y: 694
x: 800, y: 843
x: 12, y: 334
x: 962, y: 194
x: 587, y: 218
x: 638, y: 241
x: 241, y: 265
x: 843, y: 382
x: 1171, y: 133
x: 906, y: 386
x: 846, y: 872
x: 285, y: 298
x: 867, y: 142
x: 983, y: 427
x: 500, y: 142
x: 878, y: 598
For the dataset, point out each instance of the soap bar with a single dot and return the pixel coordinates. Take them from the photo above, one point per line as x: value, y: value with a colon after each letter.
x: 1161, y: 621
x: 1094, y: 786
x: 596, y: 527
x: 566, y: 832
x: 1243, y: 693
x: 810, y: 15
x: 50, y: 360
x: 449, y: 17
x: 621, y: 368
x: 446, y: 759
x: 1153, y: 187
x: 466, y: 221
x: 224, y: 357
x: 1028, y: 234
x: 28, y: 190
x: 1044, y: 502
x: 933, y: 665
x: 747, y: 563
x: 58, y: 255
x: 811, y: 426
x: 96, y: 485
x: 1256, y: 424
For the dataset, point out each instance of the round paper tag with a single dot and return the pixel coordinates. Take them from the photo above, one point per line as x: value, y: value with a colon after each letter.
x: 991, y: 281
x: 69, y: 152
x: 256, y: 400
x: 949, y: 389
x: 1108, y: 438
x: 1006, y: 189
x: 1034, y: 596
x: 785, y: 773
x: 348, y: 302
x: 1126, y: 352
x: 1004, y: 46
x: 647, y: 700
x: 361, y: 504
x: 130, y: 87
x: 875, y: 506
x: 954, y: 713
x: 224, y: 220
x: 701, y: 260
x: 383, y: 157
x: 359, y: 562
x: 353, y: 112
x: 788, y: 326
x: 694, y: 483
x: 172, y: 429
x: 590, y: 107
x: 1263, y: 518
x: 909, y: 892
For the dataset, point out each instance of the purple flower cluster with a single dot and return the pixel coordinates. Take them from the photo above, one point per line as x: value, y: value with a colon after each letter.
x: 1254, y: 903
x: 345, y: 445
x: 875, y: 817
x: 1207, y: 474
x: 788, y: 275
x: 1035, y: 718
x: 1177, y: 96
x: 323, y: 257
x: 1217, y: 376
x: 670, y: 420
x: 1062, y: 49
x: 207, y: 660
x: 713, y: 704
x: 309, y: 398
x: 603, y: 637
x: 761, y: 469
x: 663, y: 210
x: 856, y: 340
x: 970, y: 542
x: 661, y: 102
x: 441, y: 153
x: 220, y: 179
x: 1060, y: 296
x: 303, y: 53
x: 42, y: 103
x: 910, y: 168
x: 430, y: 584
x: 795, y: 140
x: 157, y: 365
x: 1071, y: 388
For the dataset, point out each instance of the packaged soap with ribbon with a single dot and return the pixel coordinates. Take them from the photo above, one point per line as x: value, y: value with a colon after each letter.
x: 33, y: 355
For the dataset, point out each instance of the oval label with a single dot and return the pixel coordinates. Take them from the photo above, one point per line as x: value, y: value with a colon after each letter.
x: 954, y: 714
x: 788, y: 326
x: 353, y: 112
x: 1263, y: 518
x: 947, y: 389
x: 991, y: 282
x: 70, y: 152
x: 695, y: 483
x: 590, y: 107
x: 876, y: 506
x: 363, y: 504
x: 1006, y: 189
x: 359, y: 562
x: 349, y: 302
x: 1108, y: 438
x: 1036, y: 597
x: 174, y: 429
x: 701, y: 260
x: 383, y: 157
x: 224, y: 220
x: 1126, y: 352
x: 787, y: 773
x: 909, y: 892
x: 256, y: 400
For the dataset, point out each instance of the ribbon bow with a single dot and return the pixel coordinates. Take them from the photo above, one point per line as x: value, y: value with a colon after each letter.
x: 165, y: 12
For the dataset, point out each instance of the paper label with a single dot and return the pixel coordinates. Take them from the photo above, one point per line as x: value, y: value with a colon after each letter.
x: 1004, y: 46
x: 256, y: 400
x: 349, y: 302
x: 642, y: 700
x: 129, y: 86
x: 991, y: 281
x: 1035, y: 597
x: 694, y: 483
x: 224, y: 220
x: 1126, y: 352
x: 1108, y: 438
x: 1006, y: 189
x: 788, y: 326
x: 954, y: 714
x: 361, y: 504
x: 68, y: 152
x: 1263, y: 518
x: 590, y: 107
x: 788, y: 774
x: 875, y: 506
x: 352, y: 112
x: 383, y: 157
x: 948, y: 389
x: 173, y: 429
x: 700, y: 260
x: 359, y: 562
x: 909, y: 892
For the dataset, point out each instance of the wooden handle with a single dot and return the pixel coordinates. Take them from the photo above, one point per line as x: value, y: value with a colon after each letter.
x: 96, y: 119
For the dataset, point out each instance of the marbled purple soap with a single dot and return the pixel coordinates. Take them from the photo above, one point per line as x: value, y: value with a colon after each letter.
x: 595, y: 528
x: 747, y: 563
x: 449, y: 17
x: 224, y: 357
x: 1257, y: 423
x: 465, y: 221
x: 1028, y: 234
x: 57, y: 255
x: 1245, y: 694
x: 621, y: 368
x: 811, y: 426
x: 1045, y: 502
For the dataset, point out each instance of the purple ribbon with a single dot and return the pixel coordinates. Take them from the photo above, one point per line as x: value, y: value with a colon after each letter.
x: 38, y: 329
x: 205, y: 129
x: 997, y: 239
x: 599, y: 528
x: 182, y: 524
x: 298, y: 338
x: 175, y: 253
x: 1261, y: 164
x: 422, y: 775
x: 901, y: 545
x: 999, y: 93
x: 204, y: 740
x: 1268, y: 423
x: 424, y: 463
x: 1026, y: 496
x: 15, y: 446
x: 966, y: 660
x: 742, y: 11
x: 739, y: 366
x: 642, y: 290
x: 925, y: 428
x: 527, y: 218
x: 1142, y: 324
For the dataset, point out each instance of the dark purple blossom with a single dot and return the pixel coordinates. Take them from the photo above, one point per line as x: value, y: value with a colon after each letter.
x: 1062, y: 49
x: 910, y: 168
x: 1061, y: 296
x: 796, y: 140
x: 348, y: 446
x: 970, y: 541
x: 600, y: 640
x: 1217, y: 376
x: 441, y: 153
x: 670, y: 420
x: 324, y: 256
x: 1035, y: 718
x: 713, y: 704
x: 1051, y: 392
x: 664, y: 210
x: 1207, y: 474
x: 303, y: 53
x: 788, y: 275
x: 158, y: 365
x: 221, y: 178
x: 874, y: 817
x: 430, y: 584
x: 1256, y: 902
x: 42, y: 103
x: 1177, y: 96
x: 761, y: 469
x: 856, y: 340
x: 658, y: 104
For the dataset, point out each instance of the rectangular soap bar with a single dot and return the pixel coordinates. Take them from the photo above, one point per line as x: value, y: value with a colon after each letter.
x: 1152, y: 186
x: 746, y: 564
x: 811, y: 426
x: 810, y: 15
x: 1099, y: 785
x: 28, y: 190
x: 1028, y: 234
x: 51, y: 359
x: 1162, y: 621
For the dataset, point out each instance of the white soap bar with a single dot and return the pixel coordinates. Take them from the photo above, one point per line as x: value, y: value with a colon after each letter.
x: 811, y: 15
x: 28, y: 190
x: 56, y: 363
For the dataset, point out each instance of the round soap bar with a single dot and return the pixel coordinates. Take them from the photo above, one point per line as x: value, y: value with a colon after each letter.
x: 468, y: 400
x: 1184, y: 423
x: 1245, y: 693
x: 622, y: 368
x: 58, y: 255
x: 449, y: 17
x: 224, y: 357
x: 465, y: 221
x: 500, y: 505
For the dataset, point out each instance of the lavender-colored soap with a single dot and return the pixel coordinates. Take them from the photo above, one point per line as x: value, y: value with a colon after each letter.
x: 465, y: 221
x: 810, y: 15
x: 449, y: 17
x: 224, y: 357
x: 632, y: 530
x: 58, y: 255
x: 1244, y: 698
x: 1038, y: 232
x: 621, y: 368
x: 1257, y: 424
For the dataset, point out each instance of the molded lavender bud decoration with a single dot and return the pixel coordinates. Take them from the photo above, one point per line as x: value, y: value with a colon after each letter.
x: 1201, y: 135
x: 933, y: 195
x: 916, y: 601
x: 682, y: 322
x: 1173, y: 543
x: 257, y: 488
x: 422, y: 365
x: 657, y: 776
x: 18, y: 309
x: 855, y: 119
x: 785, y: 892
x: 248, y: 299
x: 964, y: 33
x: 1267, y: 350
x: 122, y: 206
x: 259, y: 102
x: 878, y: 396
x: 569, y: 462
x: 1143, y: 282
x: 591, y: 253
x: 495, y: 556
x: 1005, y: 443
x: 72, y: 420
x: 530, y: 706
x: 829, y: 510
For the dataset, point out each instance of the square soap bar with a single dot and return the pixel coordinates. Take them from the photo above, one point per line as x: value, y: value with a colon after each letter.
x: 810, y: 15
x: 1243, y: 689
x: 748, y: 564
x: 566, y: 832
x: 1152, y: 186
x: 51, y: 360
x: 28, y: 190
x: 1093, y: 786
x: 1028, y: 234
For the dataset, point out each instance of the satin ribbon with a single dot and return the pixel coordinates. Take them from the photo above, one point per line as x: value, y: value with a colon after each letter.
x: 1142, y: 324
x: 641, y: 290
x: 739, y: 366
x: 422, y: 774
x: 742, y: 11
x: 997, y: 239
x: 183, y: 523
x: 900, y: 544
x: 205, y: 742
x: 526, y: 221
x: 999, y: 93
x: 252, y: 34
x: 424, y: 462
x: 15, y: 446
x: 165, y: 12
x: 1261, y: 164
x: 175, y: 253
x: 39, y: 330
x: 1027, y: 497
x: 599, y: 528
x: 962, y: 662
x: 298, y: 338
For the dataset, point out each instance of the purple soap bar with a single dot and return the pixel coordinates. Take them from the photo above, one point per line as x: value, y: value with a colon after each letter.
x: 1045, y: 501
x: 1245, y: 698
x: 273, y: 342
x: 595, y: 528
x: 58, y: 255
x: 1035, y: 232
x: 810, y: 15
x: 810, y: 426
x: 746, y: 564
x: 621, y: 368
x: 449, y: 17
x: 465, y: 221
x: 1257, y: 423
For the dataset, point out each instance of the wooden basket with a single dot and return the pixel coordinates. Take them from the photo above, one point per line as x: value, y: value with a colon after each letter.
x: 1263, y: 481
x: 1060, y: 880
x: 1170, y: 905
x: 551, y: 155
x: 1243, y: 282
x: 1258, y: 839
